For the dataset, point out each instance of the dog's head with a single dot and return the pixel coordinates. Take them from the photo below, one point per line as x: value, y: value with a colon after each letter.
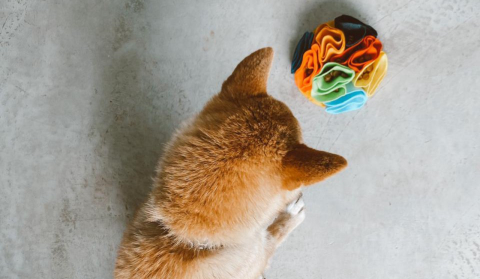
x: 232, y: 169
x: 275, y: 130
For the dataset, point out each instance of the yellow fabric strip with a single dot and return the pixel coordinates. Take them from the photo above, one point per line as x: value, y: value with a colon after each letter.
x: 371, y: 76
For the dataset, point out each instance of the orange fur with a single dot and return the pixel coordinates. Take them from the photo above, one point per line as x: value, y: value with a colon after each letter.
x: 218, y: 207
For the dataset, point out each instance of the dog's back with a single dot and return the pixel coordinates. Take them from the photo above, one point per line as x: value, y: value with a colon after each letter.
x: 224, y: 179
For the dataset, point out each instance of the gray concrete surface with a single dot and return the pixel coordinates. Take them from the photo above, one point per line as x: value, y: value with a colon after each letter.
x: 91, y: 90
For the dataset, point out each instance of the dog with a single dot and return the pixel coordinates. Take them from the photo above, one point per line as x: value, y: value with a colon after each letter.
x: 227, y: 190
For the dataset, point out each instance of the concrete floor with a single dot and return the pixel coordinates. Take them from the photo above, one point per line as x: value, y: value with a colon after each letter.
x: 91, y: 90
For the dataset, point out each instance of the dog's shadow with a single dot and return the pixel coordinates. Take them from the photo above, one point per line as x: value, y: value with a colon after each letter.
x: 134, y: 116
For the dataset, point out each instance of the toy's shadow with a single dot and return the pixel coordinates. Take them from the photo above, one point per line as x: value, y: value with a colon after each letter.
x: 315, y: 14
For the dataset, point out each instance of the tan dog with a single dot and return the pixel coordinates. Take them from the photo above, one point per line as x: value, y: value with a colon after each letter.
x: 227, y: 190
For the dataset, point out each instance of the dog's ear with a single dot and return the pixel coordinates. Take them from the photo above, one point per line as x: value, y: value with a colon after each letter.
x: 250, y: 76
x: 304, y: 166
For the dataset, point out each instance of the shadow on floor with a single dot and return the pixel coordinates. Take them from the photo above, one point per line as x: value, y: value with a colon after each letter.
x: 133, y: 113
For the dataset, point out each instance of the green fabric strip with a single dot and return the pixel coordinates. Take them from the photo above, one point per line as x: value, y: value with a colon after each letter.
x: 330, y: 83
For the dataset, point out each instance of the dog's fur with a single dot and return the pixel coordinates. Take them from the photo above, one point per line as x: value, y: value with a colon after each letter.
x: 227, y: 190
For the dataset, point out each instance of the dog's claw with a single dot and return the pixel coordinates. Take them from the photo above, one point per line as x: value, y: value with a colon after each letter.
x: 296, y: 206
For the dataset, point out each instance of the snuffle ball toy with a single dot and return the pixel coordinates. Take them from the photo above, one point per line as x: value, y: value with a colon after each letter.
x: 340, y: 64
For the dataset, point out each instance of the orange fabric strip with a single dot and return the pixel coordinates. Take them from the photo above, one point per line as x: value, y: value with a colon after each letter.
x: 331, y: 41
x: 361, y: 54
x: 310, y: 68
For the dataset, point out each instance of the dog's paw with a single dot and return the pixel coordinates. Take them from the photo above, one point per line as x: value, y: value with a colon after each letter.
x: 297, y: 210
x: 297, y: 206
x: 288, y: 220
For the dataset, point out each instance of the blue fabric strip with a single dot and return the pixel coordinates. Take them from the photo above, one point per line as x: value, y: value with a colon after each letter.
x: 354, y: 99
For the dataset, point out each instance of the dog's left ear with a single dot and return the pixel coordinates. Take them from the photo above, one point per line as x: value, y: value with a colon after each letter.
x: 304, y: 166
x: 250, y: 76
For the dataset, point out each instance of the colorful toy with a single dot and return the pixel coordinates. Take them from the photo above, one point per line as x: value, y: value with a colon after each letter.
x: 340, y: 64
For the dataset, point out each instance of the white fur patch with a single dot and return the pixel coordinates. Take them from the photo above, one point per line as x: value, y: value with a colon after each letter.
x: 296, y: 209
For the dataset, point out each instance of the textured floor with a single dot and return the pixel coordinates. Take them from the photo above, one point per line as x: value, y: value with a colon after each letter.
x: 91, y: 90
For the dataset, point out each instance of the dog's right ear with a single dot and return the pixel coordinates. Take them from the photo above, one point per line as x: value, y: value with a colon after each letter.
x: 250, y: 76
x: 303, y: 166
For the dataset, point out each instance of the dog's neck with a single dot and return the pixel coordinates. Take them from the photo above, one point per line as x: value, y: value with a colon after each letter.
x: 190, y: 244
x: 202, y: 246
